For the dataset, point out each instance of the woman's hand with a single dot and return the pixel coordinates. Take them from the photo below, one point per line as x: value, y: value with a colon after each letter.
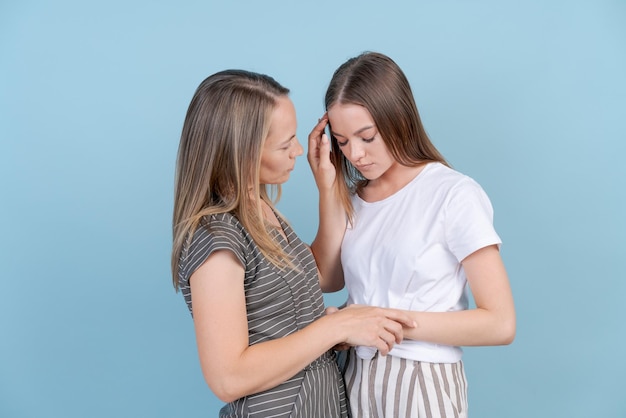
x: 370, y: 326
x: 319, y: 156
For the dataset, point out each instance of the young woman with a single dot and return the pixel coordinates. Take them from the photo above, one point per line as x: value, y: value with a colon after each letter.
x: 417, y: 233
x: 252, y: 286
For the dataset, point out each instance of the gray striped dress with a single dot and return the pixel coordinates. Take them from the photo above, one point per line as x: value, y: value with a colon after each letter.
x: 278, y: 303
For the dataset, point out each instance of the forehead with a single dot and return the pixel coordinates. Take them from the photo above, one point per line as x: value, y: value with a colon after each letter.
x: 283, y: 120
x: 349, y: 112
x: 347, y: 118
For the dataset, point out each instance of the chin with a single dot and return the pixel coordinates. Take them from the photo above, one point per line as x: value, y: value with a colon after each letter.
x: 278, y: 182
x: 370, y: 177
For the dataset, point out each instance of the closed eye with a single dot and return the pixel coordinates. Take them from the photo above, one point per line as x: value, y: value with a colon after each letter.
x: 287, y: 145
x: 342, y: 144
x: 366, y: 140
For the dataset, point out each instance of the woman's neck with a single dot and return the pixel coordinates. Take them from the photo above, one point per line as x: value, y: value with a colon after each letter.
x: 392, y: 180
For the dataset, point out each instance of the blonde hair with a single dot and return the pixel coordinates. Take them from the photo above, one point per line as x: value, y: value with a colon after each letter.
x: 217, y: 169
x: 377, y: 83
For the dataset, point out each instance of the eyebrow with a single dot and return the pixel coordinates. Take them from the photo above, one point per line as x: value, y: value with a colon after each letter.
x: 365, y: 128
x: 287, y: 140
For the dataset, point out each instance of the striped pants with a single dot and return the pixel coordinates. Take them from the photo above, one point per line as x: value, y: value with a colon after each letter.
x: 393, y: 387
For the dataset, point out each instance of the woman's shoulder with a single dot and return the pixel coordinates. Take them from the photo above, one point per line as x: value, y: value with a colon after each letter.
x: 441, y: 171
x: 224, y: 218
x: 214, y: 232
x: 221, y: 226
x: 444, y: 176
x: 446, y: 185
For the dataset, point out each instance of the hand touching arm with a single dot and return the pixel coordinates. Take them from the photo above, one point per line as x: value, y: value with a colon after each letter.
x: 233, y: 368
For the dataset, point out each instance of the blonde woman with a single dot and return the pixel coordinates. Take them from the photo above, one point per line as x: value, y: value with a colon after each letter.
x: 251, y: 285
x: 417, y: 233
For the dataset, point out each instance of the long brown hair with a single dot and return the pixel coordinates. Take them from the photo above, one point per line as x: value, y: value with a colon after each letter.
x: 377, y: 83
x: 217, y: 169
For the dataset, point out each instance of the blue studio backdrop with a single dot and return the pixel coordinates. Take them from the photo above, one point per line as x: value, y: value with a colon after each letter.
x: 528, y: 98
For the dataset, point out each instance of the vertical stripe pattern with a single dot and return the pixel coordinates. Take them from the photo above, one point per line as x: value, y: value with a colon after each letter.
x: 394, y: 387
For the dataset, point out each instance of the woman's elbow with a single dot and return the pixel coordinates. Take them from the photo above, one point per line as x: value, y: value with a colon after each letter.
x: 225, y: 397
x: 223, y: 382
x: 224, y: 390
x: 507, y: 331
x: 331, y: 283
x: 331, y: 287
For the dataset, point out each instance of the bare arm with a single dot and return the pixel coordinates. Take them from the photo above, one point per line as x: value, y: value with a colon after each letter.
x: 233, y: 368
x: 492, y: 322
x: 326, y: 246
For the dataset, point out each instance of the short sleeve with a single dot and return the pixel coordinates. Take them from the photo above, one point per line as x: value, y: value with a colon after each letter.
x: 220, y: 232
x: 469, y: 219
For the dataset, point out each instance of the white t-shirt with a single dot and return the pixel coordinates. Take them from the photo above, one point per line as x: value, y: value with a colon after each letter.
x: 405, y: 251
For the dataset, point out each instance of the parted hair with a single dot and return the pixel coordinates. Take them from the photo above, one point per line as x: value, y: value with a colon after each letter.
x: 377, y: 83
x: 218, y: 163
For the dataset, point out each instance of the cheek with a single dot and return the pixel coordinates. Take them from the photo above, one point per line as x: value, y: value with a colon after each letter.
x: 270, y: 165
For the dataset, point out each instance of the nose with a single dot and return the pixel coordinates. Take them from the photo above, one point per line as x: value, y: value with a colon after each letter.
x: 355, y: 151
x: 298, y: 150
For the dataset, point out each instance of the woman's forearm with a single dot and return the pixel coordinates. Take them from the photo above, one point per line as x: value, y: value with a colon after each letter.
x: 326, y: 246
x: 251, y: 369
x: 473, y: 327
x: 266, y: 365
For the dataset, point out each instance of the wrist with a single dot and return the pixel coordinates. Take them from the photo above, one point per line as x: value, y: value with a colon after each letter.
x: 332, y: 329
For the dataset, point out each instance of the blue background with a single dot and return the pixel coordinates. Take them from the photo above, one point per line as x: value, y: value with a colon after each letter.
x: 529, y: 98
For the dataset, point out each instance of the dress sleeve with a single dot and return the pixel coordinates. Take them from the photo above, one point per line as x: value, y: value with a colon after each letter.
x: 469, y: 219
x: 220, y: 232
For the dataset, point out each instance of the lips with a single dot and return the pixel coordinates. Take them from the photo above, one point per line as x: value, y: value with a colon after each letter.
x: 362, y: 167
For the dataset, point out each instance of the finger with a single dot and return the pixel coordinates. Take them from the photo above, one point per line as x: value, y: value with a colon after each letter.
x: 341, y: 347
x: 319, y: 128
x: 395, y: 330
x: 401, y: 317
x: 324, y: 152
x: 312, y: 151
x: 383, y: 349
x: 315, y: 138
x: 386, y: 343
x: 331, y: 310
